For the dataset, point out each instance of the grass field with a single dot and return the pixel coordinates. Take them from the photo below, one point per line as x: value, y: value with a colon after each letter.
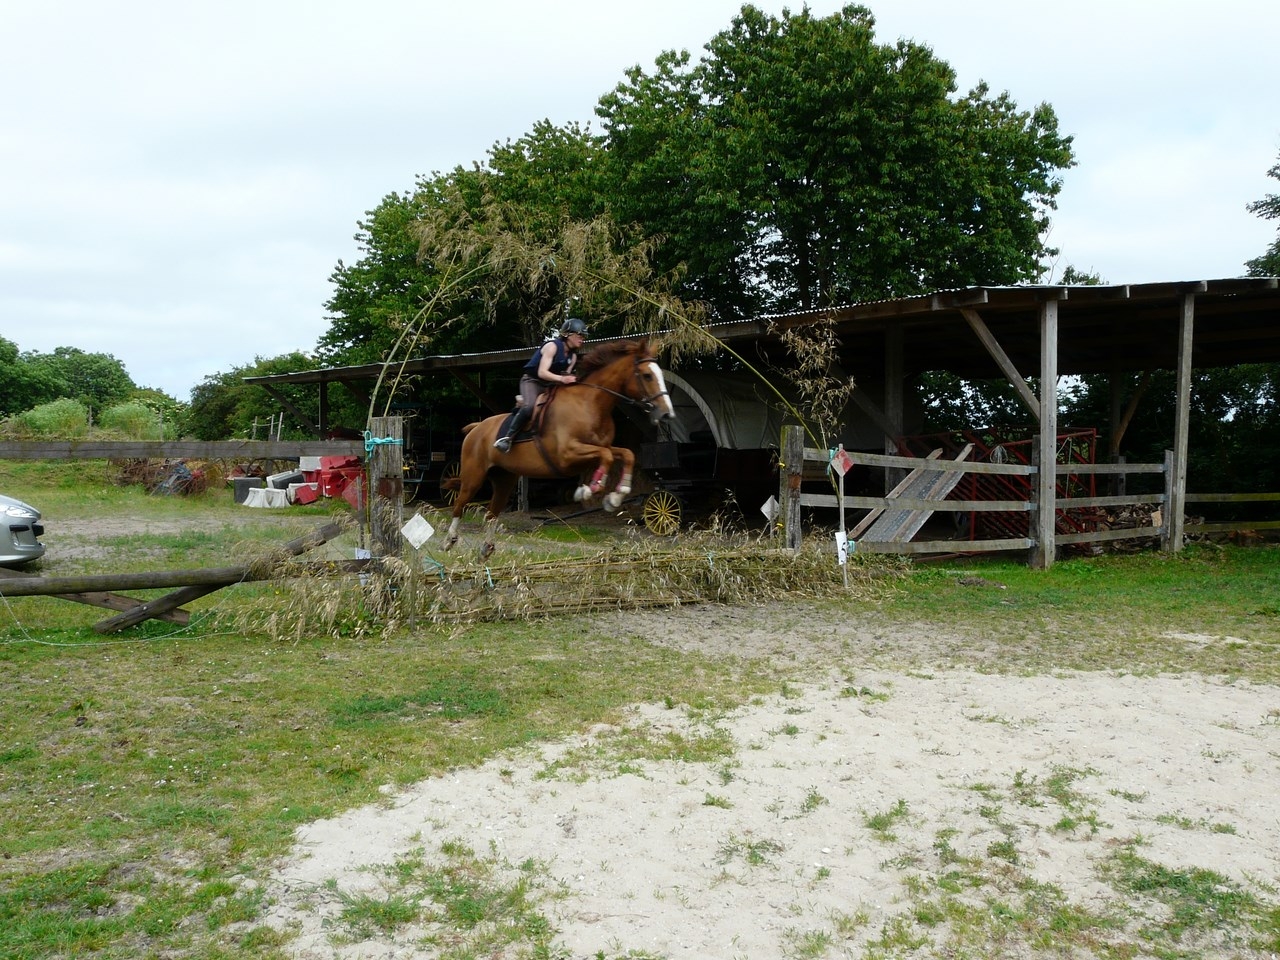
x: 148, y: 779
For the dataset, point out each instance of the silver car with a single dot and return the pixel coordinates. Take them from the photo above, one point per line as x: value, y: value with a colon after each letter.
x: 20, y: 532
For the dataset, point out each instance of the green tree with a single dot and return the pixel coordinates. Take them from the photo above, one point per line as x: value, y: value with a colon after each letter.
x: 1267, y: 265
x: 799, y: 163
x: 224, y: 407
x: 417, y: 284
x: 97, y: 380
x: 24, y: 384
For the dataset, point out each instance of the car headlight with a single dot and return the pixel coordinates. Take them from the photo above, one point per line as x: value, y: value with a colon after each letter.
x: 21, y: 514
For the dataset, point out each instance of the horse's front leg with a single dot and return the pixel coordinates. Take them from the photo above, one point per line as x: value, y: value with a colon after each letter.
x: 603, y: 457
x: 614, y: 499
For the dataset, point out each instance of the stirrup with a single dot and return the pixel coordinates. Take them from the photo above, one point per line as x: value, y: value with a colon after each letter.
x: 503, y: 444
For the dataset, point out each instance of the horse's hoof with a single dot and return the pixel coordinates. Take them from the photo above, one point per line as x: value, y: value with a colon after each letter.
x: 613, y: 502
x: 582, y: 494
x: 486, y: 551
x: 449, y: 543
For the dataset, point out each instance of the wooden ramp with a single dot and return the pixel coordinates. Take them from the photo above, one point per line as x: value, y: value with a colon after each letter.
x: 891, y: 525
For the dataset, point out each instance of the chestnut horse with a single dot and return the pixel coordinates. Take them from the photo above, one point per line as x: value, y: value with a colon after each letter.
x: 576, y: 435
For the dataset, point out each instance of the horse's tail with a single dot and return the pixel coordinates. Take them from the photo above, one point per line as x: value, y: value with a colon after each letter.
x: 451, y: 483
x: 469, y: 427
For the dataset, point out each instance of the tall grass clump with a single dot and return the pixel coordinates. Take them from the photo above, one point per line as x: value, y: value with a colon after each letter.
x: 61, y: 418
x: 133, y: 420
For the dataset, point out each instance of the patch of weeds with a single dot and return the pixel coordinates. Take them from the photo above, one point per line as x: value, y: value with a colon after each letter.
x: 787, y: 730
x: 806, y: 944
x: 812, y: 801
x: 1025, y: 790
x: 1128, y: 795
x: 845, y: 925
x: 364, y: 917
x: 616, y: 754
x: 449, y: 699
x: 864, y: 693
x: 881, y: 824
x: 1004, y: 850
x: 1071, y: 822
x: 754, y: 853
x: 711, y: 800
x: 477, y: 906
x: 898, y: 937
x: 1187, y: 823
x: 1195, y: 900
x: 990, y: 718
x: 1058, y: 786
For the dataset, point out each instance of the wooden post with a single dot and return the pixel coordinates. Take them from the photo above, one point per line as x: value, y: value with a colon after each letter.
x: 1046, y: 446
x: 894, y: 378
x: 790, y: 472
x: 386, y: 485
x: 1165, y: 525
x: 1175, y: 504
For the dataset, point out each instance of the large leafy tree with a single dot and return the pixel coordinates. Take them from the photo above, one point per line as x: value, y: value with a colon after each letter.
x: 224, y: 407
x: 1267, y: 265
x: 425, y: 280
x: 98, y: 380
x: 800, y: 163
x: 24, y: 384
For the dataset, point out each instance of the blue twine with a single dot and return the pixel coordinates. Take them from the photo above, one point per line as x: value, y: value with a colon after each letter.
x: 370, y: 441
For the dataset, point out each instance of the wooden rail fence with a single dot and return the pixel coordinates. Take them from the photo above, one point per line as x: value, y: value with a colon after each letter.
x: 892, y: 520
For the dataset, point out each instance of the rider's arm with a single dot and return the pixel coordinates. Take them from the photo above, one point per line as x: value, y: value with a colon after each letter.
x: 544, y: 366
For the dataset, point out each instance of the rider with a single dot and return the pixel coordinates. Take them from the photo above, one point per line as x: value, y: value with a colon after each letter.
x: 551, y: 364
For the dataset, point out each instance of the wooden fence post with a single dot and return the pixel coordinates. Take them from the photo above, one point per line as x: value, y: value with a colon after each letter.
x: 386, y: 485
x: 790, y: 473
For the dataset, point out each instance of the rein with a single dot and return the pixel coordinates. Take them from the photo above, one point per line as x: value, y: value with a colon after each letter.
x: 646, y: 403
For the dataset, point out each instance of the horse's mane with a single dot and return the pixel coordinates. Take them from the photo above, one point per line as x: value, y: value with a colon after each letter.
x: 600, y: 357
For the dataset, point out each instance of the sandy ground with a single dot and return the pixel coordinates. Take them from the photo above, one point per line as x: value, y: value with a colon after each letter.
x: 774, y: 851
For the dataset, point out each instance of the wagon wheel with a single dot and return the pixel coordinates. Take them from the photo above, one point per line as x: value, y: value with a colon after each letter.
x: 450, y: 471
x: 662, y: 513
x: 411, y: 484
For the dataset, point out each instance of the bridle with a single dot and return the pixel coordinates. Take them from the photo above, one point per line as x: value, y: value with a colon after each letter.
x: 647, y: 403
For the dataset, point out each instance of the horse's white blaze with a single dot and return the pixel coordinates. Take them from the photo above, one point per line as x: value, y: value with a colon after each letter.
x: 664, y: 398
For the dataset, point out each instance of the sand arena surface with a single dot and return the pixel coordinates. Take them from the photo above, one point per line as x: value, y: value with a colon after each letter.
x: 839, y: 795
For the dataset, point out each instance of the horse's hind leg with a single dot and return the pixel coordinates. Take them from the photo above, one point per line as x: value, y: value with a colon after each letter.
x: 465, y: 493
x: 503, y: 484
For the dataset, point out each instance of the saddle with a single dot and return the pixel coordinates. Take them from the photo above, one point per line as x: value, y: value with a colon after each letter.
x: 533, y: 426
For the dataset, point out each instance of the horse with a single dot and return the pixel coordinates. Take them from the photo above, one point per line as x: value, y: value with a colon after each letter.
x: 577, y: 432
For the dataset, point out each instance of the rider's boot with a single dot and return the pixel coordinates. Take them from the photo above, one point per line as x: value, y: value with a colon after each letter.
x: 511, y: 429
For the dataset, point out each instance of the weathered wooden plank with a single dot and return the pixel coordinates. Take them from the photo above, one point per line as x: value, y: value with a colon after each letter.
x: 153, y: 609
x: 904, y: 523
x: 163, y: 579
x: 1085, y: 469
x: 108, y: 601
x: 1103, y: 536
x: 177, y: 449
x: 1230, y: 497
x: 942, y: 466
x: 943, y: 546
x: 1129, y: 500
x: 903, y: 485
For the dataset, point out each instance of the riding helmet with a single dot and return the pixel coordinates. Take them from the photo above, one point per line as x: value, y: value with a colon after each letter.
x: 573, y: 325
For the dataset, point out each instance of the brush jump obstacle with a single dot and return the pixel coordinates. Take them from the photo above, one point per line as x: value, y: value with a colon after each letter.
x: 574, y: 436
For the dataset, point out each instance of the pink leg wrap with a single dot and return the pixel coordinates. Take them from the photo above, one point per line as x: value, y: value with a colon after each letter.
x: 597, y: 480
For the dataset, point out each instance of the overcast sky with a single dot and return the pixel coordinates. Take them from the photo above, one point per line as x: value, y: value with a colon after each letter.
x: 178, y: 180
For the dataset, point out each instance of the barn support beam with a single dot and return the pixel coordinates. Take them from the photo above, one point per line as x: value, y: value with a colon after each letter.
x: 894, y: 365
x: 1175, y: 524
x: 1001, y: 358
x: 1046, y: 446
x: 289, y: 405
